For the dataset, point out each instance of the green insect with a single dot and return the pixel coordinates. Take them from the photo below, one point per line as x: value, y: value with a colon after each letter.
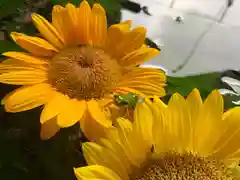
x: 130, y: 99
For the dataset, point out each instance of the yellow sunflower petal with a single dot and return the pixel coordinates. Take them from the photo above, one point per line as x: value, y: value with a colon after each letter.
x: 65, y: 27
x: 117, y: 29
x: 14, y: 64
x: 10, y: 65
x: 115, y: 34
x: 73, y: 13
x: 145, y: 73
x: 95, y: 172
x: 147, y: 88
x: 35, y: 45
x: 125, y: 125
x: 150, y: 83
x: 194, y: 103
x: 107, y: 100
x: 126, y: 90
x: 228, y: 142
x: 58, y: 14
x: 143, y: 121
x: 159, y: 131
x: 73, y: 31
x: 25, y: 57
x: 53, y: 107
x: 49, y: 129
x: 138, y: 56
x: 139, y: 83
x: 208, y: 123
x: 125, y: 25
x: 28, y: 97
x: 124, y: 128
x: 112, y: 136
x: 21, y: 75
x: 151, y: 80
x: 95, y: 154
x: 112, y: 143
x: 91, y: 128
x: 179, y: 122
x: 83, y: 28
x: 131, y: 41
x: 71, y: 113
x: 98, y: 26
x: 98, y: 114
x: 158, y: 77
x: 47, y: 31
x: 135, y: 148
x: 11, y: 61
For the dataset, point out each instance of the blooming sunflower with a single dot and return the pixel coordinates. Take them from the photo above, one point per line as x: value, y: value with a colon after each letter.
x: 75, y: 67
x: 186, y: 139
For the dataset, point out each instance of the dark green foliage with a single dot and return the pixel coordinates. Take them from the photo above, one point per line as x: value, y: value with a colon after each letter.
x: 23, y: 155
x: 9, y: 7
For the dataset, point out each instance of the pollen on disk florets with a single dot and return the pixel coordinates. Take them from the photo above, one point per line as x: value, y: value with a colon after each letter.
x: 184, y: 167
x: 83, y: 72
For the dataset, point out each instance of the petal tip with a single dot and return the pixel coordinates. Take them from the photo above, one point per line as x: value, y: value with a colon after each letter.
x: 155, y: 52
x: 84, y: 2
x: 70, y: 5
x: 195, y: 91
x: 140, y: 29
x: 176, y: 95
x: 129, y: 22
x: 215, y: 94
x: 14, y: 35
x: 34, y: 15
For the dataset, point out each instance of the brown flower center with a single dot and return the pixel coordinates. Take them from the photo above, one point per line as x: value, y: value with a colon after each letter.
x: 83, y: 72
x: 184, y: 167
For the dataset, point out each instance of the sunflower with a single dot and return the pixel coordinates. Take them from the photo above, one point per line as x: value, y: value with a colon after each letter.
x: 186, y: 139
x: 76, y: 66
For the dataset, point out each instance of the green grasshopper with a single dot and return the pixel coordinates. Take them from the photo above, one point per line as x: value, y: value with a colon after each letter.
x: 130, y: 99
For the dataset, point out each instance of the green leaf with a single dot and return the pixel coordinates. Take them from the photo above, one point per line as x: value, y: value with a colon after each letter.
x: 184, y: 85
x: 8, y: 7
x: 23, y: 155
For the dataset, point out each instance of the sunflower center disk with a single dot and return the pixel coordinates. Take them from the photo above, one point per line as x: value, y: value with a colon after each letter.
x: 83, y: 72
x: 184, y: 167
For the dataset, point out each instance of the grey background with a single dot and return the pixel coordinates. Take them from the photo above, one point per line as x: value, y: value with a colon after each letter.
x: 207, y: 40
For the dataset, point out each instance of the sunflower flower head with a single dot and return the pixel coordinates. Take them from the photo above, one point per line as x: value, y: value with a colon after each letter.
x: 185, y: 139
x: 76, y: 67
